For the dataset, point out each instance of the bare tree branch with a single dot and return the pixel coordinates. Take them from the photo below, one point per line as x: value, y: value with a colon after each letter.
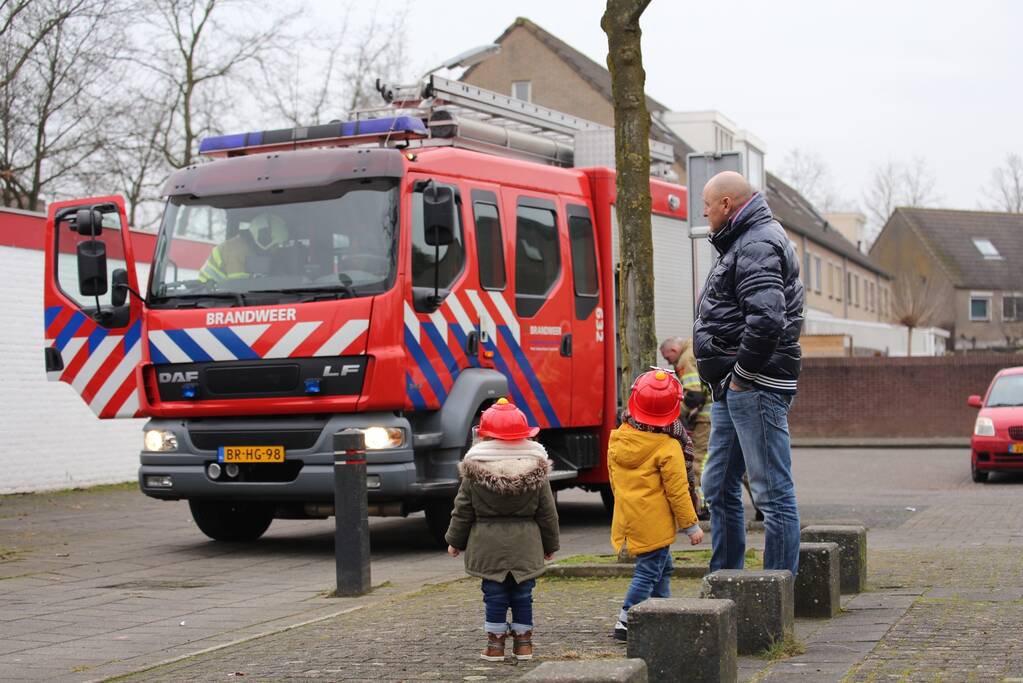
x: 1006, y: 189
x: 895, y: 184
x: 916, y: 301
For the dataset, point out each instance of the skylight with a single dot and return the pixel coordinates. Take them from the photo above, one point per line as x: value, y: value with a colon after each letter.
x: 986, y: 249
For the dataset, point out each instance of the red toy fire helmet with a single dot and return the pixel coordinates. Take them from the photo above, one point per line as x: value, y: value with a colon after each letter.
x: 656, y: 398
x: 505, y: 422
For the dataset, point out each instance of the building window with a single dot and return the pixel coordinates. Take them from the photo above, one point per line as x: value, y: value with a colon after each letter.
x: 1012, y: 307
x: 848, y: 288
x: 980, y: 308
x: 986, y: 249
x: 522, y: 90
x: 817, y: 273
x: 855, y: 299
x: 807, y: 273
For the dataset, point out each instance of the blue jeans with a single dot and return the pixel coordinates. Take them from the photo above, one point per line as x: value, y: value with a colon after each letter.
x: 750, y: 433
x: 498, y: 596
x: 650, y: 579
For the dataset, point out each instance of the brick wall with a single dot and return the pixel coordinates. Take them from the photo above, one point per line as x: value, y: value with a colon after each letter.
x: 49, y: 439
x: 892, y: 397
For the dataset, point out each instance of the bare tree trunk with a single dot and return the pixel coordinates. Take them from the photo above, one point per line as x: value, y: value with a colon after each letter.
x: 636, y: 335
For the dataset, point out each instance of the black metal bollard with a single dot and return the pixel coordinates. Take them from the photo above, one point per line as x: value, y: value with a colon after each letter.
x: 351, y: 516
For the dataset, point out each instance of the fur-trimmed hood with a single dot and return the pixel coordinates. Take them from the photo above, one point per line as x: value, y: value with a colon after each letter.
x: 506, y: 467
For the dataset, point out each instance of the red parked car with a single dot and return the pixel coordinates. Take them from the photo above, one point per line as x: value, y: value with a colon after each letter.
x: 997, y: 443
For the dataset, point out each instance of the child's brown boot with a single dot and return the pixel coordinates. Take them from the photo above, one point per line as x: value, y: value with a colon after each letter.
x: 495, y: 647
x: 523, y: 645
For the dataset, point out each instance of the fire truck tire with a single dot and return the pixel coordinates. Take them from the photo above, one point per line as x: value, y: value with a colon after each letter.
x: 607, y: 497
x: 231, y: 520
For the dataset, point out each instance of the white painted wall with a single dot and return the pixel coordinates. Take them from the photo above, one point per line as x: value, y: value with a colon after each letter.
x: 49, y: 439
x: 883, y: 337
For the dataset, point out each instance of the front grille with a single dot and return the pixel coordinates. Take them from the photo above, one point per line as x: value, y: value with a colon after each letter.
x: 291, y: 439
x: 275, y: 378
x: 1016, y: 433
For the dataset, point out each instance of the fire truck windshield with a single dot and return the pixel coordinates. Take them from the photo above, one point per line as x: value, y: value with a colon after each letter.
x: 294, y: 244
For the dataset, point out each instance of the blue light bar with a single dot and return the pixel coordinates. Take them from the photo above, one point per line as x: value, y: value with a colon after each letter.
x: 395, y: 126
x: 312, y: 386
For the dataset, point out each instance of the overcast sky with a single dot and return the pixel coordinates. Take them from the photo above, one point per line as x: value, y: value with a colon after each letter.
x: 858, y: 82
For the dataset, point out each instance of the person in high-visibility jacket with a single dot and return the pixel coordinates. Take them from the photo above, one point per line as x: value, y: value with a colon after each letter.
x: 697, y: 399
x: 229, y: 260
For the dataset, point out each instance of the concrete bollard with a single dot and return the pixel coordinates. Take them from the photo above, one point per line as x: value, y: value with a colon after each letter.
x: 763, y: 604
x: 684, y: 639
x: 596, y: 671
x: 818, y: 584
x: 852, y: 544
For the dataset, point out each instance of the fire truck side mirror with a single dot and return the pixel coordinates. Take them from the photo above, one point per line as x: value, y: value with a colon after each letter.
x: 92, y: 268
x: 438, y: 215
x: 118, y: 287
x: 88, y: 222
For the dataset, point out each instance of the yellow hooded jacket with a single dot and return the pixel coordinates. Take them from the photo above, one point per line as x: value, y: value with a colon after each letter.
x: 648, y: 477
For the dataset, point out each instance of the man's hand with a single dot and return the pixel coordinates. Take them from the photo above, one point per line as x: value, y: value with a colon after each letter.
x: 696, y: 537
x: 548, y: 557
x: 453, y: 551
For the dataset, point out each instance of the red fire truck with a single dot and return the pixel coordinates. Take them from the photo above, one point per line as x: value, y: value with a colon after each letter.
x: 394, y: 274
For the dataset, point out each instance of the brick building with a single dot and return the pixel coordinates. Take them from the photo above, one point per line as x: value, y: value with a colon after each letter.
x: 969, y: 262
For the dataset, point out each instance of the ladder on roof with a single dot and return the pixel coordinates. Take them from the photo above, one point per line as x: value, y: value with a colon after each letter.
x: 473, y: 117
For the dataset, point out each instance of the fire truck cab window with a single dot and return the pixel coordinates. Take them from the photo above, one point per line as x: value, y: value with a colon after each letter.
x: 537, y: 258
x: 446, y: 261
x: 584, y: 265
x: 489, y: 246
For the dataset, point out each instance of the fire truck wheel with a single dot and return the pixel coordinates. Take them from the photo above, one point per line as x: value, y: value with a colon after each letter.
x: 607, y: 497
x: 438, y: 516
x: 230, y: 520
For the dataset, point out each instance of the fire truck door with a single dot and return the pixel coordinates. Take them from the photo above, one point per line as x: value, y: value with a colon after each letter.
x: 587, y: 320
x: 535, y: 341
x: 92, y: 322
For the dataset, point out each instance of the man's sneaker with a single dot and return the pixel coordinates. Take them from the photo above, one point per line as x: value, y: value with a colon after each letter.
x: 621, y: 631
x: 495, y: 648
x: 522, y: 645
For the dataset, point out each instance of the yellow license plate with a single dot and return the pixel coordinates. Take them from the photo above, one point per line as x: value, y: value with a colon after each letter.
x: 1016, y: 448
x: 251, y: 454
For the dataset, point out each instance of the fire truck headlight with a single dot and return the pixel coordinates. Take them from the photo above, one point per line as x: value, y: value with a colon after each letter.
x: 160, y: 440
x: 378, y: 438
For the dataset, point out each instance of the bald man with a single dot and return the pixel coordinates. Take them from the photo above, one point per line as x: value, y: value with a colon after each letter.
x: 746, y: 338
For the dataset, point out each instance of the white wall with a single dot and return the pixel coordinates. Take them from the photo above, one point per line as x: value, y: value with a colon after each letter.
x: 49, y: 439
x: 888, y: 339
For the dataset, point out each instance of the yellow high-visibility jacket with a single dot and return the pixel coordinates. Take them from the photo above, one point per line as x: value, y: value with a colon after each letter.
x: 685, y: 369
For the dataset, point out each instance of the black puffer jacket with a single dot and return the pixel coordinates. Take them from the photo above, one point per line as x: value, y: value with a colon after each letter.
x: 751, y: 308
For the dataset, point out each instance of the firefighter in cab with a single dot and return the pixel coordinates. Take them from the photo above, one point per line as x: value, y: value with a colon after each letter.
x: 236, y: 257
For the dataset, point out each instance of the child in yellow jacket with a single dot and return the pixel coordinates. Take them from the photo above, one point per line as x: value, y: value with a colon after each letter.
x: 647, y: 471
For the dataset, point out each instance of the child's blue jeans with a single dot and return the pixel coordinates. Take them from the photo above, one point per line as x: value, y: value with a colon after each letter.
x: 650, y: 579
x: 499, y: 596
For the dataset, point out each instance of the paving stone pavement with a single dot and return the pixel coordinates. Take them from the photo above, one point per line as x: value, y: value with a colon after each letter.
x: 945, y: 586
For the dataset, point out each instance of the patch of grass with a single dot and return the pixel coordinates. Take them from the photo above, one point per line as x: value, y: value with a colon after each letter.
x: 787, y: 647
x: 680, y: 557
x: 575, y: 655
x: 98, y: 488
x: 9, y: 553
